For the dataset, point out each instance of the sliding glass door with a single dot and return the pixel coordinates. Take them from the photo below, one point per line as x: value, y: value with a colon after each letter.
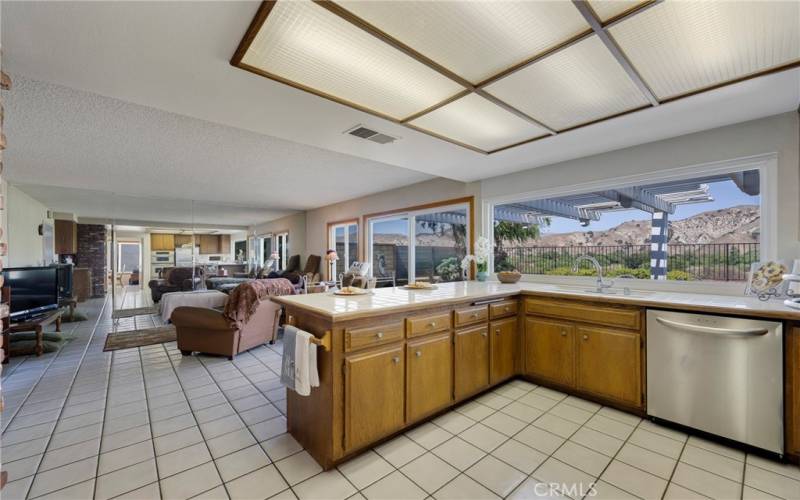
x: 389, y: 250
x: 343, y: 237
x: 420, y: 245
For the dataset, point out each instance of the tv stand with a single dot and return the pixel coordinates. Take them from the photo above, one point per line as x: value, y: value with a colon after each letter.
x: 37, y: 324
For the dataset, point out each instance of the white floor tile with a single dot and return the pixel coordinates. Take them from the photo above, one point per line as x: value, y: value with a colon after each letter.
x: 454, y: 422
x: 712, y: 462
x: 634, y: 481
x: 705, y: 482
x: 463, y: 487
x: 582, y: 458
x: 330, y: 485
x: 366, y: 469
x: 125, y: 480
x: 572, y: 482
x: 646, y: 460
x: 400, y: 450
x: 503, y: 423
x: 61, y: 477
x: 520, y: 456
x: 429, y: 472
x: 298, y: 467
x: 395, y: 486
x: 428, y: 435
x: 539, y: 439
x: 190, y: 482
x: 771, y: 482
x: 241, y: 462
x: 483, y: 437
x: 522, y: 412
x: 657, y: 443
x: 495, y: 475
x: 183, y: 459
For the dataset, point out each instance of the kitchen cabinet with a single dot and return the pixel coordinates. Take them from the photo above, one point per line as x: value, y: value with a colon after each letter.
x: 66, y: 237
x: 225, y: 243
x: 792, y: 406
x: 471, y: 361
x: 209, y: 243
x: 374, y: 396
x: 610, y: 363
x: 550, y: 350
x: 162, y: 242
x: 502, y: 345
x: 429, y: 375
x: 183, y: 239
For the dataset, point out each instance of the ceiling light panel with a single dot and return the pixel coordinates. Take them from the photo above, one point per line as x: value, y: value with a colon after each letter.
x: 681, y: 47
x: 477, y: 122
x: 577, y: 85
x: 475, y: 40
x: 306, y: 44
x: 608, y: 9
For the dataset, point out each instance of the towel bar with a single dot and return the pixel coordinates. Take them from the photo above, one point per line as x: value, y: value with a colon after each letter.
x: 324, y: 342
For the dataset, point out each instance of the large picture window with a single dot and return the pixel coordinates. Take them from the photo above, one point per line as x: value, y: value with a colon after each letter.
x: 424, y: 244
x: 697, y: 228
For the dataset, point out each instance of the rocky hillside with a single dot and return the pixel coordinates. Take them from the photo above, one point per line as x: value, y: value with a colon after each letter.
x: 738, y: 224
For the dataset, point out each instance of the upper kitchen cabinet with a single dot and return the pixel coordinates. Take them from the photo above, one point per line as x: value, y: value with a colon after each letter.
x: 66, y: 237
x: 183, y: 239
x: 162, y: 242
x: 209, y: 243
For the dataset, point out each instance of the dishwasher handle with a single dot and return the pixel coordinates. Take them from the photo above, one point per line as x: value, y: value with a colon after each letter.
x: 727, y: 332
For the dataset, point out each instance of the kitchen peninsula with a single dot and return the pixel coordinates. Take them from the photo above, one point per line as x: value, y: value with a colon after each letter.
x: 397, y: 357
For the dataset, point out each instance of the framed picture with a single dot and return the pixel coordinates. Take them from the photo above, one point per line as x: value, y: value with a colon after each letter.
x: 766, y: 278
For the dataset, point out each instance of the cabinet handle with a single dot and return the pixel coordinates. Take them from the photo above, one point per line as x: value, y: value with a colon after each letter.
x: 483, y: 334
x: 506, y: 309
x: 432, y: 324
x: 419, y: 354
x: 396, y: 359
x: 585, y: 337
x: 474, y: 315
x: 563, y: 333
x: 497, y: 331
x: 379, y: 335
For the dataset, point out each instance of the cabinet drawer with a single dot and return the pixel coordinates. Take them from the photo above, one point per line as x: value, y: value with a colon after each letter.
x: 424, y: 325
x: 471, y: 315
x: 359, y: 338
x: 503, y: 309
x: 625, y: 317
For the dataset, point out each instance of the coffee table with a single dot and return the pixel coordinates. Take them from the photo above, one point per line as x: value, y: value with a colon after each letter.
x: 37, y: 325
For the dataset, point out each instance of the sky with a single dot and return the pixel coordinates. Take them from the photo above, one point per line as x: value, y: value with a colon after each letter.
x: 725, y: 194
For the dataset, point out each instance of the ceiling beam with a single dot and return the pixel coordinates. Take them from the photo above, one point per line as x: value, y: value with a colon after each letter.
x: 598, y: 28
x: 748, y: 182
x: 511, y: 109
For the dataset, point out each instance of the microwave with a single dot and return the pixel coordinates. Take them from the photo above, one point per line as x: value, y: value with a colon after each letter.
x: 163, y: 257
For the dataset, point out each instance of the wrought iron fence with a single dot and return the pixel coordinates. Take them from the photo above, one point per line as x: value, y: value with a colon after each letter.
x: 705, y: 261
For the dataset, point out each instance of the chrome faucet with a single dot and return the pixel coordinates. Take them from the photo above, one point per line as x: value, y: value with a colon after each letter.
x: 601, y: 285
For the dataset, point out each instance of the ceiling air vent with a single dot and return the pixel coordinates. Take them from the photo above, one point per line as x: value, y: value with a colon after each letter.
x: 371, y: 135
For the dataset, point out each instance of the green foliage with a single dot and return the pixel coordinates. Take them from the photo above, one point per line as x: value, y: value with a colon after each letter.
x: 679, y: 276
x: 567, y: 271
x: 449, y: 269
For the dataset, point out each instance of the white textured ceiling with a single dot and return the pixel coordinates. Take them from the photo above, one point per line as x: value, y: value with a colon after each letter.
x: 175, y: 56
x: 70, y: 139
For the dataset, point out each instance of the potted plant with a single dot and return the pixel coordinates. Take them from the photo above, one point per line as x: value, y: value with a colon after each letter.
x: 481, y: 259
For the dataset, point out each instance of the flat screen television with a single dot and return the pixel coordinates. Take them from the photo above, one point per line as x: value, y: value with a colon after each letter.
x: 34, y: 290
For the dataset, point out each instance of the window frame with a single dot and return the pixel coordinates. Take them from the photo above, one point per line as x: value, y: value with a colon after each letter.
x: 410, y: 213
x: 345, y: 224
x: 766, y: 164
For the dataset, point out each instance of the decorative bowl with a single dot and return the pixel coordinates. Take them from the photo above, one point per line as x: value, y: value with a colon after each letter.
x: 509, y: 276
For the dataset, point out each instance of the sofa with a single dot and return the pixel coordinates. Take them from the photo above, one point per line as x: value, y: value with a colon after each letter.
x: 209, y: 331
x: 249, y: 319
x: 176, y: 279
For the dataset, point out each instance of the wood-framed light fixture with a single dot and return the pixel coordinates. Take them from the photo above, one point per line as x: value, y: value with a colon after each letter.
x: 428, y: 96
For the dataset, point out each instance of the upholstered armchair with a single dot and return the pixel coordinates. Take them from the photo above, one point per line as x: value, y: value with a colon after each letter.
x: 176, y: 279
x: 207, y: 330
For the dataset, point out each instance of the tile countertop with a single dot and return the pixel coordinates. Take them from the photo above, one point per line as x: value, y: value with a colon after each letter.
x: 389, y: 300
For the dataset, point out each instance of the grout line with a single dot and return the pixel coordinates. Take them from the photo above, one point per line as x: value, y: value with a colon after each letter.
x: 150, y: 421
x: 71, y: 385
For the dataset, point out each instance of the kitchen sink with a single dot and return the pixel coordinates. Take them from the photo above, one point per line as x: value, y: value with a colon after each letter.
x: 606, y: 291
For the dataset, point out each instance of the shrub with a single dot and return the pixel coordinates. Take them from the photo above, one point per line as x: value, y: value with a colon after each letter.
x: 679, y: 276
x: 449, y: 269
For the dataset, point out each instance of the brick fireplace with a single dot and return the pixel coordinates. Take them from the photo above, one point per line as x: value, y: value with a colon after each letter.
x: 92, y: 254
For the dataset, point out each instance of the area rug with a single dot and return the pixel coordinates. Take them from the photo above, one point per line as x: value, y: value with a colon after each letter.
x: 139, y: 338
x: 136, y: 311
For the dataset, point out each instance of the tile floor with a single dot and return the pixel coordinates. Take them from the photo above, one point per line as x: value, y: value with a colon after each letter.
x: 148, y: 423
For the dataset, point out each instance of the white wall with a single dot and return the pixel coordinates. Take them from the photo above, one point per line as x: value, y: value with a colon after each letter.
x: 24, y: 214
x: 295, y: 224
x: 776, y: 134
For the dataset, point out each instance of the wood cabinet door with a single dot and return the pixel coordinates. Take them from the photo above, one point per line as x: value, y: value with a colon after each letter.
x: 429, y: 376
x: 609, y: 363
x: 169, y: 241
x: 209, y: 243
x: 471, y: 361
x: 225, y: 243
x: 373, y: 396
x: 792, y: 405
x: 155, y: 242
x: 550, y: 350
x: 502, y: 345
x: 65, y: 237
x: 183, y: 239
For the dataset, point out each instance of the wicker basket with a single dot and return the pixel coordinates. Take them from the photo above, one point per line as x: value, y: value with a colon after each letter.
x: 509, y: 276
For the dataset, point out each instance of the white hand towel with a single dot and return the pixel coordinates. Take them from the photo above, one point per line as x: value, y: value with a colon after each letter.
x: 305, y: 366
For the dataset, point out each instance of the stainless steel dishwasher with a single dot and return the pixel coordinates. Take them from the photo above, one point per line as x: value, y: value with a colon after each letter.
x: 721, y: 375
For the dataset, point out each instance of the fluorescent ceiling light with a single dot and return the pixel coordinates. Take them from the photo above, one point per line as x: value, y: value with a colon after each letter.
x: 474, y: 39
x: 477, y: 122
x: 308, y: 45
x: 608, y: 9
x: 682, y: 47
x: 577, y: 85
